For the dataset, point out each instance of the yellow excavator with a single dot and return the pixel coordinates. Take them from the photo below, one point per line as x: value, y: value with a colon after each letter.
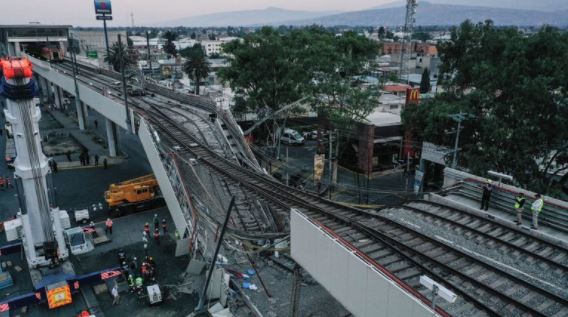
x: 133, y: 195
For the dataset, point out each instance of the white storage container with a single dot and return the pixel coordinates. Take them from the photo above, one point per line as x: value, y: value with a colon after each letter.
x: 11, y: 227
x: 82, y: 215
x: 64, y: 216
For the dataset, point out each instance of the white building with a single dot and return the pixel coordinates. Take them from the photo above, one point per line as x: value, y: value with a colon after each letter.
x: 184, y: 43
x: 212, y: 47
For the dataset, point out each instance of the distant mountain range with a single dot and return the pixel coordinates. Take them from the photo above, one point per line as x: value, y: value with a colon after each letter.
x: 441, y: 14
x: 266, y: 16
x: 391, y: 15
x: 540, y: 5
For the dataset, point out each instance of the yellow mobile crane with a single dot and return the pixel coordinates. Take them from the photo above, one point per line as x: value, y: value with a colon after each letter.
x: 133, y: 195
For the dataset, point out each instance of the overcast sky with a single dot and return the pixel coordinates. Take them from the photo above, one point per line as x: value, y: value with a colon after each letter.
x: 81, y: 12
x: 148, y: 12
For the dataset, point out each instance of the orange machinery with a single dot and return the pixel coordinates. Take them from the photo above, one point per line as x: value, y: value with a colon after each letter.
x: 133, y: 195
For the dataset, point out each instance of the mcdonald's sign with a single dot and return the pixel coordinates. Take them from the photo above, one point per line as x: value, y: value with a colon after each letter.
x: 412, y: 96
x: 109, y: 274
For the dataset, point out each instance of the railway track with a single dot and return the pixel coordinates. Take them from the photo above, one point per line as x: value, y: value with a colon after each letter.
x: 488, y: 232
x: 483, y: 288
x: 404, y: 251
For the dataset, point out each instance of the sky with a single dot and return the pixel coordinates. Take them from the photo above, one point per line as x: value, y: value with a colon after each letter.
x: 82, y: 12
x: 149, y: 12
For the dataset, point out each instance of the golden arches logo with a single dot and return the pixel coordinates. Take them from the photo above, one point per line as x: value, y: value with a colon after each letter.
x: 413, y: 95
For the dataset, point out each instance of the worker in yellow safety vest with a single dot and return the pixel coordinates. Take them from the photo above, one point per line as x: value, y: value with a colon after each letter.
x: 536, y: 208
x: 519, y: 204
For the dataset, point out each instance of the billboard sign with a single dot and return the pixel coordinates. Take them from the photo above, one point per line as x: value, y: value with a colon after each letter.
x: 104, y: 17
x: 412, y: 96
x: 103, y: 7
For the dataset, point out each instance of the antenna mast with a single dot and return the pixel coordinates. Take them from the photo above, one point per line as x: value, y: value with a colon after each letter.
x: 408, y: 29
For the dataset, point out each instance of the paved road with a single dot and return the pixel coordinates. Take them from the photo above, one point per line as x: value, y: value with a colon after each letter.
x: 389, y: 188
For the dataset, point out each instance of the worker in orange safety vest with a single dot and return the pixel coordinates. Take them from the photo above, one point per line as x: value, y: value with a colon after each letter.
x: 108, y: 224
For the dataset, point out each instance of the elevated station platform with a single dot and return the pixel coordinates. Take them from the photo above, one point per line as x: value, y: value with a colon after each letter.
x: 465, y: 191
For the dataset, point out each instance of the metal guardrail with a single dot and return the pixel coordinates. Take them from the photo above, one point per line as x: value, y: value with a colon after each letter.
x: 504, y: 199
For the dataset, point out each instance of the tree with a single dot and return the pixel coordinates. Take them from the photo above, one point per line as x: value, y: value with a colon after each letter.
x: 425, y: 82
x: 117, y: 52
x: 170, y: 47
x: 382, y: 32
x: 422, y: 36
x: 516, y: 90
x: 197, y: 66
x: 193, y: 35
x: 264, y: 71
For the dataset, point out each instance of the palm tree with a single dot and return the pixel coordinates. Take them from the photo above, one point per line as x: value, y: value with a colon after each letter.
x: 115, y: 53
x: 197, y: 66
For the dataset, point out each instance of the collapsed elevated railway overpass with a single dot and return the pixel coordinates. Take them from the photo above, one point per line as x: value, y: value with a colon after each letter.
x: 201, y: 160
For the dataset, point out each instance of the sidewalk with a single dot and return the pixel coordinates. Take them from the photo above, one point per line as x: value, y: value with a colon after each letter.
x: 85, y: 139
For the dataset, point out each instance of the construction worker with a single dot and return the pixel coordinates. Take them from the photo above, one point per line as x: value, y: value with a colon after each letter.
x: 115, y: 295
x: 121, y: 256
x: 145, y: 269
x: 157, y: 235
x: 536, y: 208
x: 139, y: 283
x: 164, y: 227
x: 156, y: 221
x: 151, y: 262
x: 108, y: 224
x: 486, y: 196
x: 131, y: 283
x: 147, y: 229
x: 134, y: 264
x: 519, y: 204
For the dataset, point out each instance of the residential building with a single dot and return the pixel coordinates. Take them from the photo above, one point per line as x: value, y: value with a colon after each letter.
x: 212, y: 47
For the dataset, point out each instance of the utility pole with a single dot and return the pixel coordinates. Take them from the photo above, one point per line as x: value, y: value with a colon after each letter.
x: 199, y: 308
x: 330, y: 164
x: 80, y: 115
x: 459, y: 118
x: 149, y: 54
x: 287, y: 169
x: 295, y: 292
x: 124, y: 89
x: 106, y: 42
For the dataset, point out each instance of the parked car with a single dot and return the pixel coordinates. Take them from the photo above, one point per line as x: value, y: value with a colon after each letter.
x: 290, y: 136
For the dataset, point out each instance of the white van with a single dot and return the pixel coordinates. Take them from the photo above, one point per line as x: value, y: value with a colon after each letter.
x: 290, y: 136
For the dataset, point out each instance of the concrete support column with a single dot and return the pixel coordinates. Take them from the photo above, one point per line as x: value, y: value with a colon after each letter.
x: 111, y: 137
x: 44, y: 87
x: 80, y: 113
x: 85, y: 113
x: 58, y: 98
